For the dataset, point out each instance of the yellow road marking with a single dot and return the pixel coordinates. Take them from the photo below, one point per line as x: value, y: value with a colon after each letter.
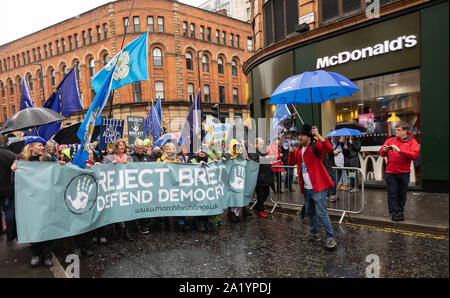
x: 389, y: 230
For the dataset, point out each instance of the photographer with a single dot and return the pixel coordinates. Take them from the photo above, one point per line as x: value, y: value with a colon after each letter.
x: 352, y: 146
x: 400, y: 151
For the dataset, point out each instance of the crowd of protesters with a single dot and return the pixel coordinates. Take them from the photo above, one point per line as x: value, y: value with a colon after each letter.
x: 313, y: 155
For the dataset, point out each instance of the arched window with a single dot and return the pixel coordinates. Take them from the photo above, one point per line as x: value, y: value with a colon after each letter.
x: 91, y: 67
x: 189, y: 65
x: 11, y: 88
x: 157, y: 57
x: 106, y: 59
x: 2, y: 86
x: 77, y: 71
x: 30, y: 82
x: 234, y: 68
x: 205, y: 62
x: 65, y: 70
x: 53, y: 76
x: 220, y: 65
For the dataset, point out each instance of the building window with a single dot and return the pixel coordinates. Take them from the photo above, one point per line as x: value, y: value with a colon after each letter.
x: 57, y: 47
x: 76, y: 40
x: 65, y: 70
x: 160, y: 24
x: 249, y: 44
x: 137, y: 24
x: 30, y: 82
x: 205, y: 62
x: 234, y: 68
x: 70, y: 43
x: 13, y: 109
x: 99, y: 33
x: 185, y: 30
x: 91, y: 36
x: 83, y: 33
x: 202, y: 33
x: 237, y: 42
x: 280, y: 19
x: 137, y: 92
x: 217, y: 36
x: 189, y: 64
x: 126, y: 25
x: 224, y: 38
x: 50, y: 46
x: 157, y: 57
x: 78, y: 72
x: 190, y: 92
x: 45, y: 51
x: 222, y: 94
x: 53, y: 76
x: 2, y: 86
x: 5, y: 114
x: 63, y: 44
x: 232, y: 40
x: 105, y: 59
x: 11, y: 88
x: 105, y: 31
x: 150, y: 24
x: 331, y: 10
x: 192, y: 30
x: 220, y: 65
x: 159, y: 89
x: 208, y: 34
x: 39, y: 53
x: 91, y: 67
x: 207, y: 93
x: 235, y: 96
x: 14, y: 61
x: 28, y: 57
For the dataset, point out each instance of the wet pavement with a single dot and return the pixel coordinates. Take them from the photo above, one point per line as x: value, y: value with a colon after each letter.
x: 267, y: 248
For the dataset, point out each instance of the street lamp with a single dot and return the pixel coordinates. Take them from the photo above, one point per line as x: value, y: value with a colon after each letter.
x: 41, y: 81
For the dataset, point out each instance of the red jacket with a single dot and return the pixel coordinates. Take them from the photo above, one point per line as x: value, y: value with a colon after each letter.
x: 320, y: 179
x: 275, y: 153
x: 400, y: 162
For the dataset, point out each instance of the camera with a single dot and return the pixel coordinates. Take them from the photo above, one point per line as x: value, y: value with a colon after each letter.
x: 389, y: 147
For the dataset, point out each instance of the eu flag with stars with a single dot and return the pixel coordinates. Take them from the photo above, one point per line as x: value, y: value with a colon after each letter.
x: 155, y: 124
x: 26, y: 102
x: 193, y: 133
x: 65, y: 100
x: 130, y: 65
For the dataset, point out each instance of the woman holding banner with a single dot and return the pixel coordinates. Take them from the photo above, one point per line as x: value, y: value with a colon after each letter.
x: 34, y: 151
x: 119, y: 155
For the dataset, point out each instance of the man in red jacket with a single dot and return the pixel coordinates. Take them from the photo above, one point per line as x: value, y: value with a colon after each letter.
x: 400, y: 151
x: 314, y: 180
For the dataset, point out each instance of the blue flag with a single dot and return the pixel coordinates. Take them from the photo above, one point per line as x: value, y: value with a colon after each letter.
x: 193, y: 133
x: 281, y: 113
x: 65, y: 101
x: 26, y: 102
x: 147, y: 125
x: 131, y: 65
x: 25, y: 97
x: 93, y: 118
x: 159, y: 110
x: 155, y: 124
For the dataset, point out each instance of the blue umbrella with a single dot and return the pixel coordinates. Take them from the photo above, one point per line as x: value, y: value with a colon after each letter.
x: 344, y: 132
x: 312, y: 87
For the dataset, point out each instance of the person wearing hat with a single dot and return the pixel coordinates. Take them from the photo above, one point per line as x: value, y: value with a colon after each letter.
x: 34, y: 151
x: 314, y: 180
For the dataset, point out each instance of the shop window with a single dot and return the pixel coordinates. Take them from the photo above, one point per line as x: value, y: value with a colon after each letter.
x: 379, y: 101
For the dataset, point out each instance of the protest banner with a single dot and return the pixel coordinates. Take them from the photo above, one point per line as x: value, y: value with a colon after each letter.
x: 136, y: 128
x: 110, y: 130
x: 57, y: 201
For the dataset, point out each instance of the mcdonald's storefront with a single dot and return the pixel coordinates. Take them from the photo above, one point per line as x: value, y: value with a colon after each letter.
x: 400, y: 63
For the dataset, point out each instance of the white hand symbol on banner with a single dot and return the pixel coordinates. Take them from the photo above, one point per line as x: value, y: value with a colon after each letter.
x: 83, y: 190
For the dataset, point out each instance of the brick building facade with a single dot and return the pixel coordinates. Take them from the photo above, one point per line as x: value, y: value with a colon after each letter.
x: 187, y: 47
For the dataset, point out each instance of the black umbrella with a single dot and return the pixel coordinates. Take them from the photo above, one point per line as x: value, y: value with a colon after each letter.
x: 30, y: 118
x: 68, y: 134
x: 17, y: 145
x: 352, y: 125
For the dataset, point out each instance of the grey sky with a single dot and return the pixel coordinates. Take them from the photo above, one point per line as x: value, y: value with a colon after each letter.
x: 22, y: 17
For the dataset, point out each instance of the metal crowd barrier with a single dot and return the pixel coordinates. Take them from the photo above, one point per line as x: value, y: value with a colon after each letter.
x: 347, y: 201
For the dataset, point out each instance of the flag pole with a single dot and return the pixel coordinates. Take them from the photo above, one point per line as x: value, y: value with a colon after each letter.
x: 121, y: 47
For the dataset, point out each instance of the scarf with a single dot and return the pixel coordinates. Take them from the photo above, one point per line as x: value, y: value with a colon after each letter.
x: 120, y: 159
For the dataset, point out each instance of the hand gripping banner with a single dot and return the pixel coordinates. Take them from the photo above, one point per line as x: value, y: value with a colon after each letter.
x: 54, y: 201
